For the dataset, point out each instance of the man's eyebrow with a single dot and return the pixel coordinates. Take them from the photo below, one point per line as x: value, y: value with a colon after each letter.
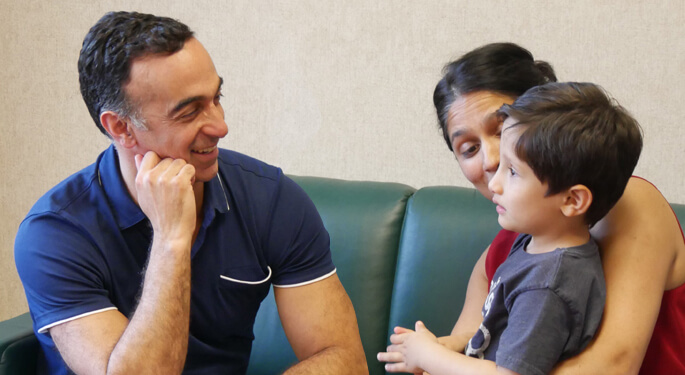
x: 192, y: 99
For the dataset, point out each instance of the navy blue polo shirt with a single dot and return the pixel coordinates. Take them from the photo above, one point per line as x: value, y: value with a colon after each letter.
x: 83, y: 247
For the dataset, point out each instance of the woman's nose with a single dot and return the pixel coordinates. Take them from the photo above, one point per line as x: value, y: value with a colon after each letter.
x: 491, y: 156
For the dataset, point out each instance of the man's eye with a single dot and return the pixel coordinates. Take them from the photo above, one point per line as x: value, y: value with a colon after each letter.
x: 190, y: 115
x: 217, y: 98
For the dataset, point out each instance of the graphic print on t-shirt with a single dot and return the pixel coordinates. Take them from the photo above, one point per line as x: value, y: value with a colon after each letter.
x: 481, y: 340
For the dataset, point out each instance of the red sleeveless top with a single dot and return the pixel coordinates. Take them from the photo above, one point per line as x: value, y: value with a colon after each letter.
x: 666, y: 350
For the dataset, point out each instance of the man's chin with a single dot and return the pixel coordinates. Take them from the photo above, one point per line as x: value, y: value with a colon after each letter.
x: 206, y: 174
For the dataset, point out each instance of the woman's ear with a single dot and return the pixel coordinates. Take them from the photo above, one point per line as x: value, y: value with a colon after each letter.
x: 118, y: 128
x: 577, y: 201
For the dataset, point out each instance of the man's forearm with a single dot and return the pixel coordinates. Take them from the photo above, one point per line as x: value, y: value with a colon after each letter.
x: 156, y: 338
x: 334, y: 360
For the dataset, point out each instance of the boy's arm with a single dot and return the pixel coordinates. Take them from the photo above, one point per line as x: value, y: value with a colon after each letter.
x: 420, y: 351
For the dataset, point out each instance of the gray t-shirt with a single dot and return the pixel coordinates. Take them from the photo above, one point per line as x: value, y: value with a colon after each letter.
x: 542, y: 308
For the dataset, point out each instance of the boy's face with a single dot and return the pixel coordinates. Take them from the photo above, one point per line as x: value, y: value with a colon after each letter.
x: 519, y: 195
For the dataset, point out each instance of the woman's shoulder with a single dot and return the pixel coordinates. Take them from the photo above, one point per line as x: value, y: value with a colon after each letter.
x: 643, y: 222
x: 641, y: 204
x: 641, y: 187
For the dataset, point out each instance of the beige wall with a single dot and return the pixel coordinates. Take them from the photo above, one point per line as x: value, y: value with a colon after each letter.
x: 332, y: 88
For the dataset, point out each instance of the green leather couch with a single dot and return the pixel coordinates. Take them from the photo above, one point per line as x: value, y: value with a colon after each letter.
x: 402, y: 254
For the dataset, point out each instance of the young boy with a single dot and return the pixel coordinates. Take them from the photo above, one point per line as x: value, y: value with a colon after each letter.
x: 566, y: 154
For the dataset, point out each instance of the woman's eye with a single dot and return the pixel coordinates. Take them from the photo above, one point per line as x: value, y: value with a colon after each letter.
x: 217, y: 98
x: 469, y: 150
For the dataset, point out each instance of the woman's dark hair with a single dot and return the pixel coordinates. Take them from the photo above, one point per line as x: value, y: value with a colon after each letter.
x: 575, y: 133
x: 504, y: 68
x: 108, y: 50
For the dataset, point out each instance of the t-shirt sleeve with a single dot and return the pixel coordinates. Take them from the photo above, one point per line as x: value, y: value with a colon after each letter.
x: 538, y: 328
x: 298, y: 243
x: 60, y: 270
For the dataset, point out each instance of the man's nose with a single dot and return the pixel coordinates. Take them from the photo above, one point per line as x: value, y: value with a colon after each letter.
x: 216, y: 125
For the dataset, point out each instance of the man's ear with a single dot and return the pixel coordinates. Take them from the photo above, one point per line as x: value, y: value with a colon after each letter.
x: 118, y: 128
x: 577, y: 201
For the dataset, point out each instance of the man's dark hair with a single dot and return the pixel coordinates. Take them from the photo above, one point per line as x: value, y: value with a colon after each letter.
x: 576, y: 134
x: 503, y: 68
x: 108, y: 50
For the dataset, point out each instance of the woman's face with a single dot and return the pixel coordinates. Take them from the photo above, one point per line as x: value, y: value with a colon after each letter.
x: 474, y: 130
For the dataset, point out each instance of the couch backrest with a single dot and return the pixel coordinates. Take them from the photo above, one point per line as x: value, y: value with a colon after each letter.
x: 364, y: 220
x: 446, y: 229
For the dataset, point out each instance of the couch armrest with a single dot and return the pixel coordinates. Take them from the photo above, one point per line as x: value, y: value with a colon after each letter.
x: 18, y: 346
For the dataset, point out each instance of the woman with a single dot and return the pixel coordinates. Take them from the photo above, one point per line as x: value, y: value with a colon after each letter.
x: 642, y: 246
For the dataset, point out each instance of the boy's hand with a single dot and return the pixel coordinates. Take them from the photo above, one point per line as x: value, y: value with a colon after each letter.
x: 455, y: 343
x: 408, y: 349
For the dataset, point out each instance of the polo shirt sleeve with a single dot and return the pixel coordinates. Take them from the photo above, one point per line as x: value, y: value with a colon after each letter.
x: 537, y: 331
x: 60, y: 270
x: 298, y: 244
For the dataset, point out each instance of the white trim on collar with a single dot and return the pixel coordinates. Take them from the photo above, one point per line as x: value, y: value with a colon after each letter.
x: 223, y: 191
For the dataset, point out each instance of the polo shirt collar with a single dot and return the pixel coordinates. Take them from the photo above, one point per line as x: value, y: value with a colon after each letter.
x: 127, y: 213
x: 216, y: 196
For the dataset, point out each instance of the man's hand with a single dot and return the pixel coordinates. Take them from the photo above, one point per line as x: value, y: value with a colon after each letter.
x: 164, y: 190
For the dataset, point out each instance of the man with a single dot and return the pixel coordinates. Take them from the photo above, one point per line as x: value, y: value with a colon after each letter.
x: 155, y: 258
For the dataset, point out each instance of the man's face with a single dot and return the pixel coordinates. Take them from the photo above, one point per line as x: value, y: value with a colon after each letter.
x: 178, y: 97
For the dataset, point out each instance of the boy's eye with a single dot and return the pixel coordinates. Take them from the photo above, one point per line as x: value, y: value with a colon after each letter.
x: 512, y: 172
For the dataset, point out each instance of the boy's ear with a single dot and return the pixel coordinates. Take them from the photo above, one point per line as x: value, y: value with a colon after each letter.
x: 577, y: 201
x: 118, y: 128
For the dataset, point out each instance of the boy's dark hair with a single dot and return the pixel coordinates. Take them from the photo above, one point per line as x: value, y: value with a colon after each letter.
x: 503, y: 68
x: 576, y: 134
x: 110, y: 47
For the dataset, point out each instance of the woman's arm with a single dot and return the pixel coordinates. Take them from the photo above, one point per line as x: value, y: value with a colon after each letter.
x: 640, y: 243
x: 470, y: 316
